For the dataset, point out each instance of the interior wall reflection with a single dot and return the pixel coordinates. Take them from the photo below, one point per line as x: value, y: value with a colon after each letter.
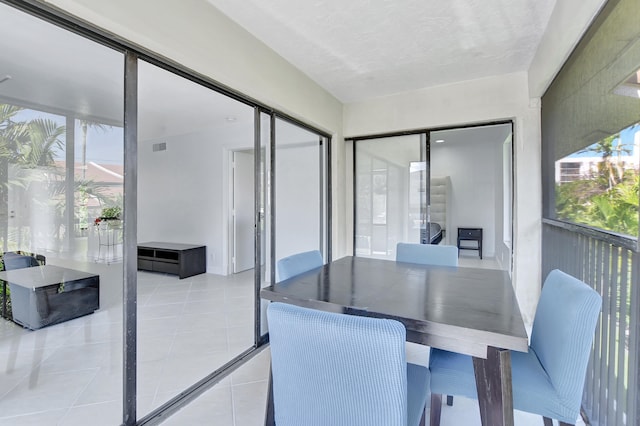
x: 389, y: 189
x: 299, y: 195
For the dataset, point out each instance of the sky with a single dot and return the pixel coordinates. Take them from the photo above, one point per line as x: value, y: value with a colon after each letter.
x: 627, y: 137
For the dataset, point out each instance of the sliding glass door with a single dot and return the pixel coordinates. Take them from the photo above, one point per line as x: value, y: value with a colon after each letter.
x: 300, y: 190
x: 390, y: 194
x: 195, y: 150
x: 61, y: 171
x: 426, y: 186
x: 94, y: 165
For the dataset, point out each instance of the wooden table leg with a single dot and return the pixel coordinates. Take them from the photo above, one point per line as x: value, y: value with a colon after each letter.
x: 493, y: 382
x: 269, y: 418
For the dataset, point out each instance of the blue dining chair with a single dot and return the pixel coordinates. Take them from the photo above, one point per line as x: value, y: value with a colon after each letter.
x: 548, y: 380
x: 19, y: 259
x: 427, y: 254
x: 337, y: 369
x: 298, y: 263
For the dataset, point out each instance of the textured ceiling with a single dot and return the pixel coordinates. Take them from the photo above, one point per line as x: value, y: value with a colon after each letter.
x: 361, y: 49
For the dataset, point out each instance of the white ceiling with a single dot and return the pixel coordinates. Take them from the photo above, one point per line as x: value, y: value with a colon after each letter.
x: 356, y: 49
x: 403, y: 149
x: 361, y: 49
x: 54, y: 70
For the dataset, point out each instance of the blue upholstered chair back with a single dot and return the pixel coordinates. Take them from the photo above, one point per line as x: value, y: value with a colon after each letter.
x: 11, y: 260
x: 562, y: 333
x: 336, y: 369
x: 298, y: 263
x: 427, y: 254
x: 15, y: 261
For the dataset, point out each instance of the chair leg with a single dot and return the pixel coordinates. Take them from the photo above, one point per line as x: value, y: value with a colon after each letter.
x: 549, y: 422
x: 450, y: 400
x: 269, y: 417
x: 436, y: 406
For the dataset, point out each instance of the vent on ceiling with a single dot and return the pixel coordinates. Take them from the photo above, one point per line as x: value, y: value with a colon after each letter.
x: 162, y: 146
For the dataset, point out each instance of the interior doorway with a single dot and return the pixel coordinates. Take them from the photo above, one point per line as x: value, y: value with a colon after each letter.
x: 242, y: 211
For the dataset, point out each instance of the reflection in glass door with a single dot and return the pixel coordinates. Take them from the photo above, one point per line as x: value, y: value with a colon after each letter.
x: 390, y: 194
x: 61, y: 168
x: 264, y: 217
x: 300, y: 195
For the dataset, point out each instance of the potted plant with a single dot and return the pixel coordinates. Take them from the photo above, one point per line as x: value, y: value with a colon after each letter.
x: 111, y: 215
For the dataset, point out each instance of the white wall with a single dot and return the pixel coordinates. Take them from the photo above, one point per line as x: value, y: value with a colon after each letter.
x: 504, y: 206
x: 297, y: 203
x: 490, y: 99
x: 192, y: 207
x: 195, y: 34
x: 476, y: 187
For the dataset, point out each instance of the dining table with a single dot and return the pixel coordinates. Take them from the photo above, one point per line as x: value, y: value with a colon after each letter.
x: 472, y: 311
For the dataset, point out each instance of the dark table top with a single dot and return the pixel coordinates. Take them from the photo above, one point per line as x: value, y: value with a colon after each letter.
x: 41, y: 276
x: 459, y: 309
x: 169, y: 246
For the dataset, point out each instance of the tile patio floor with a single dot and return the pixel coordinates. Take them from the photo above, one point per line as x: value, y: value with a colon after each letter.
x: 71, y: 373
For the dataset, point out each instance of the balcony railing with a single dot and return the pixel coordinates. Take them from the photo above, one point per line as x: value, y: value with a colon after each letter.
x: 610, y: 264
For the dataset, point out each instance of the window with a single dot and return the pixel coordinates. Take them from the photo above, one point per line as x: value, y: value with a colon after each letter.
x: 598, y: 185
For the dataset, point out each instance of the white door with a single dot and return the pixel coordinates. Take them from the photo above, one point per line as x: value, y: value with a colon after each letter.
x: 243, y: 211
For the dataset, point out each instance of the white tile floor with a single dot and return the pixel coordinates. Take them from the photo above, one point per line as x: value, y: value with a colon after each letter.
x: 471, y: 259
x: 71, y: 373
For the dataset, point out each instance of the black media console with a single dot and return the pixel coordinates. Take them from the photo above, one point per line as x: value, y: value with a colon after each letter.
x: 184, y: 260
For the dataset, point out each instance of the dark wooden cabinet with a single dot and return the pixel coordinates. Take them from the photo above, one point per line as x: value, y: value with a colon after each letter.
x: 184, y: 260
x: 470, y: 234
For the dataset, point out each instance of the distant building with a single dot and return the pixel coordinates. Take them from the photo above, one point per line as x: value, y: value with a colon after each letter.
x: 578, y: 167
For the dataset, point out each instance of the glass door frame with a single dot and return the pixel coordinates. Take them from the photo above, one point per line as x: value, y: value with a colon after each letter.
x: 425, y: 157
x: 426, y: 146
x: 133, y: 53
x: 325, y: 187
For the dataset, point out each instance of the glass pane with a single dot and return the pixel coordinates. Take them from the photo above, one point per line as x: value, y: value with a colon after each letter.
x: 598, y: 185
x: 299, y: 198
x: 390, y: 191
x: 195, y: 188
x: 265, y: 215
x: 61, y: 163
x: 471, y: 188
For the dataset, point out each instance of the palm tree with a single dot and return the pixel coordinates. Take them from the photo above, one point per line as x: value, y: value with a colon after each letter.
x: 11, y: 131
x: 609, y: 200
x: 85, y: 125
x: 43, y: 142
